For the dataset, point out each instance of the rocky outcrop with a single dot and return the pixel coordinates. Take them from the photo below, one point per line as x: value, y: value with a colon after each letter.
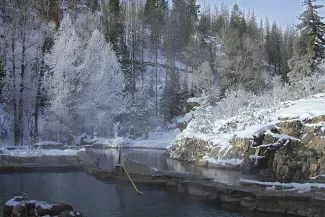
x: 294, y: 162
x: 292, y: 151
x: 189, y: 150
x: 19, y: 205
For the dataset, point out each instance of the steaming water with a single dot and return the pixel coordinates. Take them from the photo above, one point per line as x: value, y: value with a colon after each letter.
x: 157, y: 159
x: 97, y: 199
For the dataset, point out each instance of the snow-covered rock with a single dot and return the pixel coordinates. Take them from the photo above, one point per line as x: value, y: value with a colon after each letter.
x: 19, y: 205
x: 261, y: 139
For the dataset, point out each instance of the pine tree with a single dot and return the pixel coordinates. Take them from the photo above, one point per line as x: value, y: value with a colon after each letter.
x: 171, y: 100
x: 275, y: 52
x: 312, y: 26
x: 289, y: 39
x: 112, y: 22
x: 237, y: 20
x: 156, y: 11
x: 184, y: 14
x: 309, y: 49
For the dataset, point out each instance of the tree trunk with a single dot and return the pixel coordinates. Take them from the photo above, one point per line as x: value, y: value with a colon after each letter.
x: 16, y: 127
x: 156, y: 66
x: 133, y: 69
x: 21, y: 92
x: 38, y: 98
x: 142, y: 50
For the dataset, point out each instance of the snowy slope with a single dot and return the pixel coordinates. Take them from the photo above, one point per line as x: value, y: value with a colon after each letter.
x: 253, y: 123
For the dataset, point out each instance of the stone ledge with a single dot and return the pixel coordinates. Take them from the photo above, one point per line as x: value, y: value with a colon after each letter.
x: 254, y: 198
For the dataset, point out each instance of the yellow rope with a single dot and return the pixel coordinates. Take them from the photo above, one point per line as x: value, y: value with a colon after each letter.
x: 136, y: 189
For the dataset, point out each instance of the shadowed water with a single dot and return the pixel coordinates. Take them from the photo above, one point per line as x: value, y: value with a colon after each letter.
x: 97, y: 199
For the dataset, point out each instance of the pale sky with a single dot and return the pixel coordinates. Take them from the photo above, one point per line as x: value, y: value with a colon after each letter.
x: 282, y: 11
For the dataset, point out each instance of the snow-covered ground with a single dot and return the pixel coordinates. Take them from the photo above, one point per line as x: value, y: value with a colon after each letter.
x: 155, y: 140
x: 253, y: 122
x: 38, y: 152
x: 273, y: 186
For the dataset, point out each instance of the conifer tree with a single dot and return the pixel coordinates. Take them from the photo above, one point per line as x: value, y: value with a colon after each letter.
x: 112, y: 21
x: 156, y: 11
x: 309, y: 50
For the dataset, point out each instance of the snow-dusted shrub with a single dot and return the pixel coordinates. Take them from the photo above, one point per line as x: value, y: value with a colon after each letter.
x: 249, y: 108
x: 203, y: 116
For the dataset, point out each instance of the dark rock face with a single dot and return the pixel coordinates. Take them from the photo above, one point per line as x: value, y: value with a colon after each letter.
x: 20, y: 206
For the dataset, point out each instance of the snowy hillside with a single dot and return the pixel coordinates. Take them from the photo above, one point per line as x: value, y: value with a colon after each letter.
x: 245, y: 136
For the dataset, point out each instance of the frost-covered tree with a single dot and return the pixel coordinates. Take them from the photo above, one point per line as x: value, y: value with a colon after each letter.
x: 23, y: 33
x: 63, y: 80
x: 203, y: 79
x: 241, y: 64
x: 99, y: 98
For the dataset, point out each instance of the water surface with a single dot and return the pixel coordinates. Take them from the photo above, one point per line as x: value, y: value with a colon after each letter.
x: 157, y: 159
x: 97, y: 199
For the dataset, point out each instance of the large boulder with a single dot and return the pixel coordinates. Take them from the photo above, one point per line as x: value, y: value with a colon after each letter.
x: 17, y: 199
x: 188, y: 149
x: 19, y: 210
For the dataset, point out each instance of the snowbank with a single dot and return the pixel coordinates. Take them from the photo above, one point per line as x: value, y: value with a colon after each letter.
x: 39, y: 152
x: 299, y: 187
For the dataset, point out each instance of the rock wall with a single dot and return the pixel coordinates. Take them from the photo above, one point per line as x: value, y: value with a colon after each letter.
x: 292, y: 151
x: 188, y: 149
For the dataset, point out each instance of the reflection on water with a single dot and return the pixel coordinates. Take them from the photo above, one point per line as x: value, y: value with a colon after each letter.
x: 157, y: 159
x: 98, y: 199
